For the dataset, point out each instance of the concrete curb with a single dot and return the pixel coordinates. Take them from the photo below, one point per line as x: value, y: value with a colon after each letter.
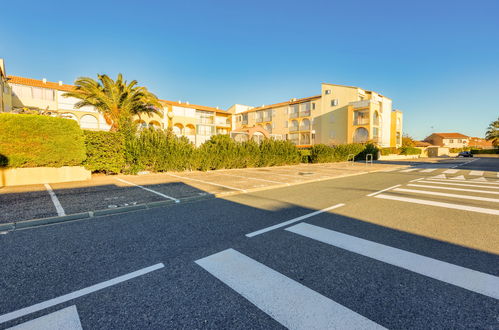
x: 23, y: 224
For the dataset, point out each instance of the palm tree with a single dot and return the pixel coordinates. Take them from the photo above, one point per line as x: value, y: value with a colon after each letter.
x: 115, y: 100
x: 493, y: 132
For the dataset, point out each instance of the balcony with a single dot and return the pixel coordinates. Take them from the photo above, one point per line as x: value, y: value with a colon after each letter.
x: 294, y: 129
x: 361, y: 121
x: 305, y: 113
x: 294, y: 115
x: 361, y: 104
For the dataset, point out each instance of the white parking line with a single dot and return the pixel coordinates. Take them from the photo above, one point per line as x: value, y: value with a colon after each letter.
x: 416, y: 179
x: 428, y: 170
x: 470, y: 181
x: 456, y: 189
x: 150, y: 190
x: 285, y: 223
x: 380, y: 191
x: 450, y: 171
x: 468, y: 279
x: 207, y: 182
x: 288, y: 302
x: 425, y: 192
x: 409, y: 170
x: 63, y: 319
x: 459, y: 184
x: 55, y: 200
x: 469, y: 161
x: 439, y: 204
x: 77, y: 294
x: 251, y: 178
x: 476, y: 173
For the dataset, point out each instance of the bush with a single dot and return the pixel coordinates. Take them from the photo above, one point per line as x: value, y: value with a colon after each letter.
x: 105, y: 151
x: 368, y: 149
x: 485, y: 151
x: 321, y: 153
x: 389, y: 151
x: 305, y: 155
x: 410, y: 151
x: 159, y: 151
x: 34, y: 140
x: 278, y: 152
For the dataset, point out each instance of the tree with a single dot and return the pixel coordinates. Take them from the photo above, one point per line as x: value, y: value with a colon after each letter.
x: 118, y: 101
x: 407, y: 141
x: 492, y: 133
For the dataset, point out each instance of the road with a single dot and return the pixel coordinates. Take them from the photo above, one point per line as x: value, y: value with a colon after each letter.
x: 410, y: 248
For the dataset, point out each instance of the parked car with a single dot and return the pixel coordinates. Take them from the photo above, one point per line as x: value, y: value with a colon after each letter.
x: 465, y: 154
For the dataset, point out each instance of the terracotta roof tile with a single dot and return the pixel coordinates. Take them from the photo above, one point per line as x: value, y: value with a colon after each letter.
x: 275, y: 105
x: 452, y: 135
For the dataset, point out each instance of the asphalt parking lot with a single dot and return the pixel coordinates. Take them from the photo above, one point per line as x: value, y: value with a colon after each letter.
x: 122, y: 191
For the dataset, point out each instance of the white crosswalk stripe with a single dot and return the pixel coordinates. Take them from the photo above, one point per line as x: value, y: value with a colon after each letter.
x: 485, y: 199
x: 455, y: 189
x: 409, y: 170
x: 469, y: 279
x: 290, y: 303
x: 450, y: 171
x: 476, y: 172
x: 428, y: 170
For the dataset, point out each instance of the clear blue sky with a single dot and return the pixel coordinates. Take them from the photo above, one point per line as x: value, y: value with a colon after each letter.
x: 438, y: 60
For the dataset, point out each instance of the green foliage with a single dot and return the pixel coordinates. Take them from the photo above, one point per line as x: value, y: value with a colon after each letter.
x: 485, y: 151
x: 278, y: 152
x: 369, y: 148
x: 389, y: 151
x: 305, y: 155
x: 105, y: 151
x: 410, y: 151
x: 492, y: 133
x: 33, y: 140
x: 321, y: 153
x: 408, y: 141
x: 159, y: 151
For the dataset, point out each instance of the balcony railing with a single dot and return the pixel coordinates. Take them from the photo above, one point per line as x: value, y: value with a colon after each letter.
x: 361, y: 104
x: 294, y: 115
x: 244, y: 122
x: 294, y: 129
x: 304, y: 113
x: 361, y: 121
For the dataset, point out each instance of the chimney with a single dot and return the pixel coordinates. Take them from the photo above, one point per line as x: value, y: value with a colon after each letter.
x: 60, y: 83
x: 44, y: 80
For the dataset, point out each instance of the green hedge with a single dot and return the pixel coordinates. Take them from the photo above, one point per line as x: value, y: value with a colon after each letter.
x: 321, y: 153
x: 35, y: 141
x: 105, y: 151
x: 485, y: 151
x: 389, y: 151
x: 410, y: 151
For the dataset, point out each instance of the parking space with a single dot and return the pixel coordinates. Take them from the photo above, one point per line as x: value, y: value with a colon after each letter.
x: 111, y: 192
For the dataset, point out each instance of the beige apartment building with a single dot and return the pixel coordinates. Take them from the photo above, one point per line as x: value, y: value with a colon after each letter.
x: 449, y: 140
x: 340, y: 114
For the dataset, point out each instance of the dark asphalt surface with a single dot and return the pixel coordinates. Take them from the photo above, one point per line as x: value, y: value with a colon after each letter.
x: 46, y: 262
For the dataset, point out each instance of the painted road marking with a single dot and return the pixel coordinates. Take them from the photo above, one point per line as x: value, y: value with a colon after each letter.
x: 459, y: 184
x: 416, y: 179
x: 450, y: 171
x: 285, y: 223
x: 409, y: 170
x: 479, y: 179
x: 468, y: 279
x: 470, y: 181
x: 469, y: 161
x: 439, y: 204
x: 459, y: 177
x: 297, y: 176
x: 425, y: 192
x: 476, y: 173
x: 428, y: 170
x: 251, y: 178
x: 55, y: 200
x: 288, y: 302
x: 150, y: 190
x: 380, y: 191
x: 207, y: 182
x: 440, y: 176
x: 76, y: 294
x: 64, y: 319
x: 456, y: 189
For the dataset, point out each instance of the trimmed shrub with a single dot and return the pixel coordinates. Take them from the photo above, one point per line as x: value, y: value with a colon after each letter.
x: 368, y: 149
x: 278, y: 152
x: 410, y: 151
x: 34, y: 140
x: 389, y: 151
x: 321, y: 153
x: 485, y: 151
x: 105, y: 151
x: 305, y: 155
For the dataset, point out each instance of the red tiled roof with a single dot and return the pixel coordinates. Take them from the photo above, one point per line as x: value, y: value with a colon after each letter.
x: 478, y: 142
x: 38, y: 83
x: 452, y: 135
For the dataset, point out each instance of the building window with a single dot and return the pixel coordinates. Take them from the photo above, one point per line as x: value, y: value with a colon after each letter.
x: 451, y: 140
x: 313, y: 106
x: 334, y: 102
x: 327, y: 91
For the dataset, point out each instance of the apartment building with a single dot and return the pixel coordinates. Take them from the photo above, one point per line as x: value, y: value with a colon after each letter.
x: 198, y: 123
x: 449, y: 140
x: 340, y: 114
